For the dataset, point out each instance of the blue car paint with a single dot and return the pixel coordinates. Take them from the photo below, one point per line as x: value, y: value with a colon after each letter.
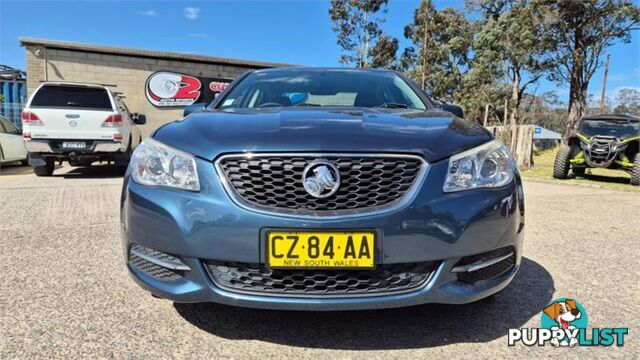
x: 433, y: 226
x: 434, y: 134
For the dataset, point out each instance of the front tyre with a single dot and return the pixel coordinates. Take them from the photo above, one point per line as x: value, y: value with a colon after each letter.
x: 45, y: 170
x: 561, y: 165
x: 635, y: 172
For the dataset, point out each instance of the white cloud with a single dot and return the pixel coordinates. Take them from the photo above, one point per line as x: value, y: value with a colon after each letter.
x: 191, y: 13
x: 148, y: 13
x: 198, y: 36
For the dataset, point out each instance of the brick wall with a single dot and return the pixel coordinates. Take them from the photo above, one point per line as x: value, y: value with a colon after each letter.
x: 129, y: 73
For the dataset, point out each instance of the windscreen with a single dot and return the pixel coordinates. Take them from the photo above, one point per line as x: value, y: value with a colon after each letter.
x: 72, y: 97
x: 322, y: 88
x: 620, y: 129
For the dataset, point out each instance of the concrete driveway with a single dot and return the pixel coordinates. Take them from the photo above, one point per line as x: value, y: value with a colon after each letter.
x: 65, y: 292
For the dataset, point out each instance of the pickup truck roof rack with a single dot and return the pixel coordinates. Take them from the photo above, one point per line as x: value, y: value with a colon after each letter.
x: 76, y: 83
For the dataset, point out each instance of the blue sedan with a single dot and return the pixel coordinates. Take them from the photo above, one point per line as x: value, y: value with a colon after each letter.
x: 322, y: 189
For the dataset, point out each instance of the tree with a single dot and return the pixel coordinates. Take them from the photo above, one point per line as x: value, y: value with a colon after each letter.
x: 439, y: 56
x: 581, y: 31
x: 628, y: 100
x: 513, y: 41
x: 383, y: 53
x: 357, y: 25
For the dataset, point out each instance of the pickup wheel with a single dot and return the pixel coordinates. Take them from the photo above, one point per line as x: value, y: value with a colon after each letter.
x: 46, y: 170
x: 561, y: 164
x: 635, y: 172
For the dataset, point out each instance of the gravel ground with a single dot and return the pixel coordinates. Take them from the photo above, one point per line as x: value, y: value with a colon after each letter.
x: 65, y: 292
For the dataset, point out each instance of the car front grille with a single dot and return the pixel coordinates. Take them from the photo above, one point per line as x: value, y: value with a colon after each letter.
x: 275, y: 182
x: 258, y: 279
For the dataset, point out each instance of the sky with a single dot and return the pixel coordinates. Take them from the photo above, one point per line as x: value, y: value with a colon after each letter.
x: 295, y: 32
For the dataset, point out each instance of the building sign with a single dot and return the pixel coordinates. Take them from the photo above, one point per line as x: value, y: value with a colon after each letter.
x: 164, y: 88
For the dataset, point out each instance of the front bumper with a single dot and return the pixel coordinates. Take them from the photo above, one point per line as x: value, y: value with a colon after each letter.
x: 208, y: 226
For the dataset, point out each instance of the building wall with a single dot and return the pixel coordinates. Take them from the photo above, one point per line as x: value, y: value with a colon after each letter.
x: 128, y: 73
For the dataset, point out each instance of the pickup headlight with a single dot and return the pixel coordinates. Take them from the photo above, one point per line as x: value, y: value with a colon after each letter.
x: 156, y: 164
x: 488, y: 165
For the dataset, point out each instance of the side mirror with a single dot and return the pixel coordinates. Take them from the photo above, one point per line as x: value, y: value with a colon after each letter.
x: 454, y: 109
x: 139, y: 119
x: 193, y: 108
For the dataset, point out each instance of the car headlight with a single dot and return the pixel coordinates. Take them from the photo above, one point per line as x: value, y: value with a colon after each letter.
x: 488, y: 165
x: 156, y: 164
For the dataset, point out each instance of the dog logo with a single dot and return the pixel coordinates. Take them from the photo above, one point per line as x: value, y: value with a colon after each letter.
x: 566, y: 315
x: 564, y: 323
x: 321, y: 179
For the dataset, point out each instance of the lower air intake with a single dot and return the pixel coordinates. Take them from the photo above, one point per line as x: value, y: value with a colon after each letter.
x: 485, y: 266
x: 258, y: 279
x: 154, y: 263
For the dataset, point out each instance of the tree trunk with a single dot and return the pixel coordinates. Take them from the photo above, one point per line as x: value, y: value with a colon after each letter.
x: 506, y: 111
x: 515, y: 101
x: 577, y: 108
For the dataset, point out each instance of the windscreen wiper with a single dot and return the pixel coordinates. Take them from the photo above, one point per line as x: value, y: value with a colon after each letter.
x: 308, y: 104
x: 393, y: 106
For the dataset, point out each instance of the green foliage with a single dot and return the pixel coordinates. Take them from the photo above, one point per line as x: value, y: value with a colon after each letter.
x: 357, y: 25
x: 628, y: 100
x: 581, y: 31
x: 439, y: 56
x: 383, y: 53
x: 496, y: 50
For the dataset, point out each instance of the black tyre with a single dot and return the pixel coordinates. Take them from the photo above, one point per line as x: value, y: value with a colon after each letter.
x: 46, y: 170
x: 561, y: 164
x: 635, y: 172
x: 578, y: 171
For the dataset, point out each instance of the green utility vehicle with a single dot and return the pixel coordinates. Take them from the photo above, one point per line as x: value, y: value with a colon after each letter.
x: 609, y: 141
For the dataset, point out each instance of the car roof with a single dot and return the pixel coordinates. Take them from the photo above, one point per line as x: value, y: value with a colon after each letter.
x: 627, y: 117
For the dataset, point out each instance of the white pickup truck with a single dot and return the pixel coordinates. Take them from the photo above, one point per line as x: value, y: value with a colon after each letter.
x: 78, y: 123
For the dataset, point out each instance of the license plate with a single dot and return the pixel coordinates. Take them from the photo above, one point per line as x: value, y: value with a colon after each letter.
x: 73, y: 145
x: 318, y: 249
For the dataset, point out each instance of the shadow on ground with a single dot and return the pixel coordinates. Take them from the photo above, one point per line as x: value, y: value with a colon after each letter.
x: 606, y: 179
x: 92, y: 172
x: 405, y: 328
x: 14, y: 168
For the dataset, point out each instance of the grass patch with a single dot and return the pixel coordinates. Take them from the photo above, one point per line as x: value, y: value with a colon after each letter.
x: 604, y: 178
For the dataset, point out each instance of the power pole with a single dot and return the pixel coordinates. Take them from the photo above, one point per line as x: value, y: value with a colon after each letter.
x: 604, y: 83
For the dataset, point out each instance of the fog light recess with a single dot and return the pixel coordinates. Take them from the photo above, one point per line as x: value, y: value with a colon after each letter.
x: 157, y: 264
x: 485, y: 266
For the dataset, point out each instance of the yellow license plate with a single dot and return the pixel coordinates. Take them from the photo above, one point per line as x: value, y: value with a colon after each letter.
x: 317, y: 249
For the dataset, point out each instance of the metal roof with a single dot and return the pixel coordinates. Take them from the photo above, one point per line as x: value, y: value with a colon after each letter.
x: 68, y: 45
